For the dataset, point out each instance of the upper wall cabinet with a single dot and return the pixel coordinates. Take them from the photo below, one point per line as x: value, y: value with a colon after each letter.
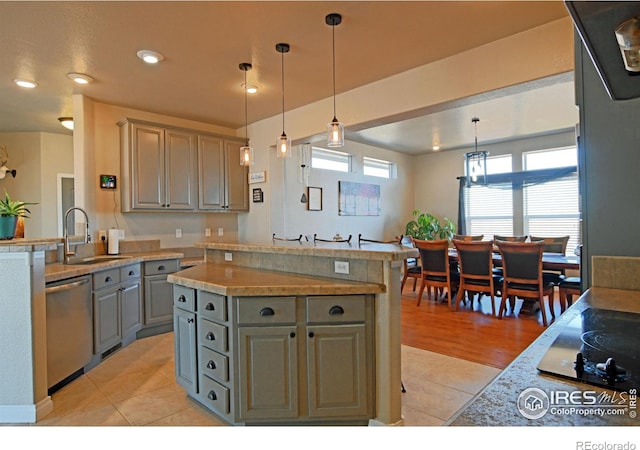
x: 223, y: 182
x: 159, y: 167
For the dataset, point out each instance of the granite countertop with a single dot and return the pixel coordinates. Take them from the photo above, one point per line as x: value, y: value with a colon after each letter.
x: 244, y: 281
x: 496, y: 405
x: 60, y: 271
x: 28, y: 245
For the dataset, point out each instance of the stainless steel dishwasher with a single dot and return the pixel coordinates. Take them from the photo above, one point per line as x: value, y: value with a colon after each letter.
x: 69, y: 329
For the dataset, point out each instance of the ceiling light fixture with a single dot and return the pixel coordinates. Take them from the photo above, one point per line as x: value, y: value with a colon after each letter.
x: 284, y: 143
x: 246, y: 152
x: 250, y: 88
x: 80, y: 78
x: 335, y: 129
x: 66, y: 122
x: 25, y: 83
x: 150, y: 57
x: 628, y: 36
x: 476, y: 162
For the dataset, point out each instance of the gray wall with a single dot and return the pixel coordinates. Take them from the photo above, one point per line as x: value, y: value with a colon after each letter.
x: 609, y: 152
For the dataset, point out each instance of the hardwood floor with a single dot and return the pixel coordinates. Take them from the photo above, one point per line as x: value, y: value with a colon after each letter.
x: 473, y: 335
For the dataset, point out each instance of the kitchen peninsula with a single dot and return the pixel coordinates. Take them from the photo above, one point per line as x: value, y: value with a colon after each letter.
x: 262, y: 329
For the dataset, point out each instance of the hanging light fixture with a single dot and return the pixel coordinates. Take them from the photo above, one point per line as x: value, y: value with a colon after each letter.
x: 335, y: 129
x: 66, y: 122
x: 476, y: 161
x: 246, y: 152
x: 284, y: 143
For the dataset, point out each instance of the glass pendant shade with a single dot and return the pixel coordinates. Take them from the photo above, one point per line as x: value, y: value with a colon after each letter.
x: 284, y: 146
x: 335, y: 133
x: 246, y: 156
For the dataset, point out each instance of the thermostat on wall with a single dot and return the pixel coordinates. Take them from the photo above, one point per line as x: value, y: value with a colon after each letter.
x: 108, y: 181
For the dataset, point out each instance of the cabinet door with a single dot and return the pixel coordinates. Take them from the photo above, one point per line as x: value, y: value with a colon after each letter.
x: 337, y: 362
x: 236, y: 179
x: 180, y: 170
x: 268, y: 372
x: 106, y: 323
x: 211, y: 173
x: 184, y: 328
x: 158, y: 300
x: 130, y: 308
x: 148, y: 167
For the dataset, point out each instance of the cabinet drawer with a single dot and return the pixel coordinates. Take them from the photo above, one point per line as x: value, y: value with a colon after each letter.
x: 212, y: 335
x: 212, y: 306
x: 106, y: 278
x: 160, y: 267
x: 336, y: 309
x: 214, y: 395
x: 130, y: 272
x: 266, y: 310
x: 214, y: 365
x: 184, y: 298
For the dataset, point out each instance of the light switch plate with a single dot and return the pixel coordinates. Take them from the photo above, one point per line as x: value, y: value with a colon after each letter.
x: 228, y: 256
x: 341, y: 267
x: 178, y: 232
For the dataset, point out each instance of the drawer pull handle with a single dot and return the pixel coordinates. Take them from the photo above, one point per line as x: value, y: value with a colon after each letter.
x: 211, y: 365
x: 336, y: 310
x: 266, y: 312
x: 210, y: 336
x: 131, y: 273
x: 182, y: 299
x: 189, y: 320
x: 108, y: 280
x: 212, y: 396
x: 292, y: 334
x: 311, y: 334
x: 209, y: 307
x: 161, y: 268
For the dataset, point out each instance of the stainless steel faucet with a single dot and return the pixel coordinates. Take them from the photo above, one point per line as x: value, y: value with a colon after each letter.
x: 87, y: 237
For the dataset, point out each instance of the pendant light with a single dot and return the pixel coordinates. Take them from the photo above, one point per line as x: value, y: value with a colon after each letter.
x: 246, y: 152
x: 476, y: 162
x: 335, y: 129
x: 283, y: 147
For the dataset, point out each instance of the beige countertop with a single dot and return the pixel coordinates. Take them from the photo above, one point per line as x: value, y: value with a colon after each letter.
x: 496, y: 405
x: 60, y: 271
x: 244, y: 281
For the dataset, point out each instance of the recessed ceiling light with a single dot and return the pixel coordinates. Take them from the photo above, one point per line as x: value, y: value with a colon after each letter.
x: 66, y: 122
x: 25, y: 83
x: 150, y: 57
x: 251, y: 88
x: 80, y: 78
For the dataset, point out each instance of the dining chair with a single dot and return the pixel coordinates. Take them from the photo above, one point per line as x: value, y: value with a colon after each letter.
x: 522, y: 266
x: 553, y: 245
x: 436, y: 272
x: 410, y: 266
x: 567, y: 288
x: 476, y: 274
x: 510, y: 238
x: 467, y: 237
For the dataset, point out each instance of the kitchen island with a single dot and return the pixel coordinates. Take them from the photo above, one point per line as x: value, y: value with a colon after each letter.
x: 249, y: 282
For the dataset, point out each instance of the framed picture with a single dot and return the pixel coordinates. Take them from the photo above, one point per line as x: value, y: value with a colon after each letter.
x: 359, y: 199
x: 314, y: 195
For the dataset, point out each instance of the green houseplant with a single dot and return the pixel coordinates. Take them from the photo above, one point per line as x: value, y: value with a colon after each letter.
x: 428, y: 227
x: 10, y: 211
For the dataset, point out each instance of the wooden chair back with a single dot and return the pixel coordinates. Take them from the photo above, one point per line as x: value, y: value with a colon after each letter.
x: 434, y: 256
x: 475, y: 260
x: 467, y: 237
x: 553, y: 244
x: 510, y: 238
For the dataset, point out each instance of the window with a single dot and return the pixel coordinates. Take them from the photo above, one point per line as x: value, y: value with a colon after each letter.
x: 490, y: 209
x: 330, y: 159
x: 377, y: 167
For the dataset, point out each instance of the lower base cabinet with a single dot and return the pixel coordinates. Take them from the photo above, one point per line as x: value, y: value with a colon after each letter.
x: 277, y: 360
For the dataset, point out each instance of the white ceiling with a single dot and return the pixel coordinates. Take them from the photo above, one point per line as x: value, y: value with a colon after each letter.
x: 204, y: 42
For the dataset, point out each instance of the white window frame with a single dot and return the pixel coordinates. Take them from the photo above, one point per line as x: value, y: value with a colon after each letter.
x: 322, y: 158
x: 377, y: 167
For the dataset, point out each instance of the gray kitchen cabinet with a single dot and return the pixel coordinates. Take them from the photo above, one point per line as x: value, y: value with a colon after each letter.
x: 117, y: 303
x: 158, y: 166
x: 158, y: 293
x: 185, y: 338
x: 223, y: 182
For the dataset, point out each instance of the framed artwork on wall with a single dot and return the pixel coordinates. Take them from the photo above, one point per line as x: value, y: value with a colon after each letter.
x: 314, y: 194
x: 359, y: 199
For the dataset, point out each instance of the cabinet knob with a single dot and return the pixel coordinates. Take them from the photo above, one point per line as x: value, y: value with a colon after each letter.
x: 212, y: 396
x: 266, y: 312
x: 108, y: 280
x: 131, y: 273
x: 182, y: 299
x: 292, y: 334
x: 336, y: 310
x: 210, y: 336
x: 311, y: 334
x: 211, y: 365
x: 189, y: 320
x: 161, y: 268
x: 209, y: 307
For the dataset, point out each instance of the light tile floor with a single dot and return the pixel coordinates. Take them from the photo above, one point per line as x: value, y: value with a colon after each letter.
x: 136, y: 387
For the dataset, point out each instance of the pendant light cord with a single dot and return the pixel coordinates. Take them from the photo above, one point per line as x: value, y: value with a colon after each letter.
x: 333, y: 51
x: 282, y: 59
x: 246, y: 134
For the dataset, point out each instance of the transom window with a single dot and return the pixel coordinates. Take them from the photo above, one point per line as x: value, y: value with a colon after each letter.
x: 322, y: 158
x: 377, y: 167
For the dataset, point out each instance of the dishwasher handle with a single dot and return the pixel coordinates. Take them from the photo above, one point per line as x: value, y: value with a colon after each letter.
x: 65, y: 287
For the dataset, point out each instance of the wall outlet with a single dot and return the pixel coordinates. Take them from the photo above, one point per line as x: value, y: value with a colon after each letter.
x: 207, y: 232
x: 341, y: 267
x: 220, y: 231
x: 178, y: 232
x: 120, y: 234
x: 102, y: 235
x: 228, y: 256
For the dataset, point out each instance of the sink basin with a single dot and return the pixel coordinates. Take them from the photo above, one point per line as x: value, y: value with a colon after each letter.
x: 96, y: 260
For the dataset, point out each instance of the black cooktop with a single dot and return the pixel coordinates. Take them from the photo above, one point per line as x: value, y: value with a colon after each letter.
x: 600, y: 347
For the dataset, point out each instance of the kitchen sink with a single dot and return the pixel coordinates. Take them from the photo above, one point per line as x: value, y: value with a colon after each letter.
x: 97, y: 260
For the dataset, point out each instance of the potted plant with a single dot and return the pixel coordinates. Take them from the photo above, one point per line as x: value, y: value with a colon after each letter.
x: 428, y: 227
x: 10, y: 211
